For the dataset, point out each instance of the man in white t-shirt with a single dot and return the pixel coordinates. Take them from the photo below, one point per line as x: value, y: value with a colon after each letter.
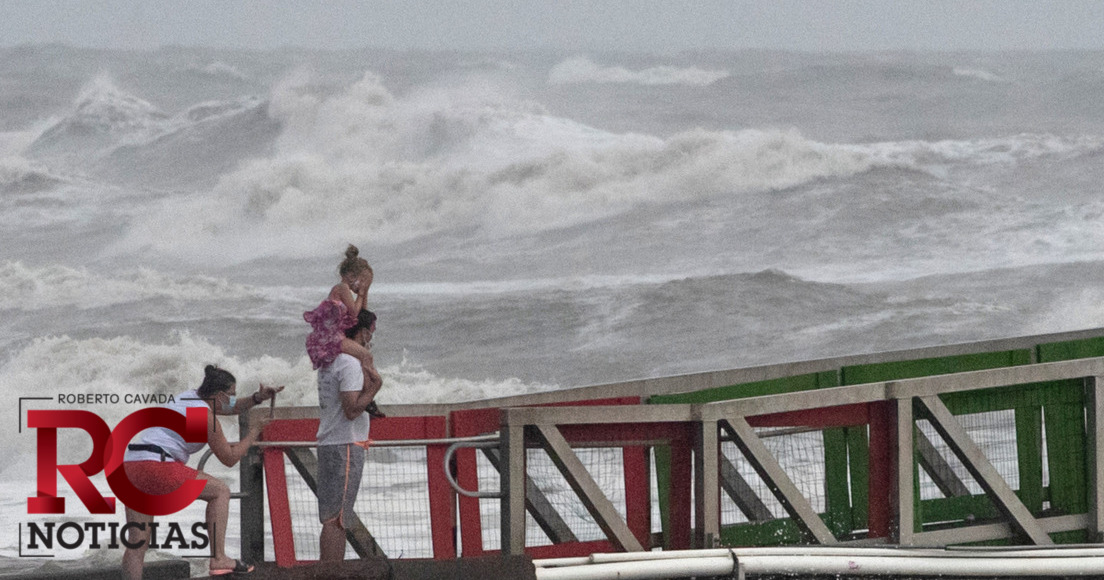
x: 344, y: 391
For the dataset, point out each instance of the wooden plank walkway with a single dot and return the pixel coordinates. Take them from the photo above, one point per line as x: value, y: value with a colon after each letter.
x: 154, y: 570
x: 511, y: 567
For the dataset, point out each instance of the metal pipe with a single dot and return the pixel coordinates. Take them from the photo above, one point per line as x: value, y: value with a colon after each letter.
x: 452, y: 480
x: 558, y: 562
x: 394, y: 443
x: 841, y: 550
x: 827, y: 560
x: 475, y: 441
x: 739, y: 552
x: 456, y: 442
x: 924, y: 566
x: 391, y: 443
x: 644, y: 569
x: 203, y: 459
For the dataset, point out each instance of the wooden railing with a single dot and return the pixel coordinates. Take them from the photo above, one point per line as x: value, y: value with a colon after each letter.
x: 709, y: 427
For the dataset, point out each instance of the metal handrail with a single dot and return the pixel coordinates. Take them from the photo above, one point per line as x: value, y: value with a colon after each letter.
x: 391, y: 443
x: 484, y: 443
x: 387, y: 443
x: 203, y: 462
x: 455, y: 443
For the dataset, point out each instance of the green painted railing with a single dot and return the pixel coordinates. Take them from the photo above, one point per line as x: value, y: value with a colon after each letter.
x: 1049, y: 439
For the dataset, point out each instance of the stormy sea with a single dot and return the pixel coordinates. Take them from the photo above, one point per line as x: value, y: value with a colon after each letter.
x: 535, y: 221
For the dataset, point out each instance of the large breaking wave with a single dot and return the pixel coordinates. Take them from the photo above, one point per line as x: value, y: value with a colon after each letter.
x: 365, y: 164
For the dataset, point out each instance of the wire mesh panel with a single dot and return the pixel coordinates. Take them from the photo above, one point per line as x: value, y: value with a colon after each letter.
x: 562, y: 525
x: 305, y: 526
x: 404, y: 507
x: 995, y: 435
x: 605, y: 466
x: 949, y: 493
x: 751, y: 514
x: 801, y: 456
x: 490, y: 509
x: 653, y: 494
x: 1027, y: 433
x: 392, y: 502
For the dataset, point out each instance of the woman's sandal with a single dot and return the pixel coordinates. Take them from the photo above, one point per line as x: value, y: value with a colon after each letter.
x: 239, y: 568
x: 374, y: 411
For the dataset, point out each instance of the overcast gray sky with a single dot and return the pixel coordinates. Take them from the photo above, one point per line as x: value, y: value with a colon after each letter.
x: 641, y: 25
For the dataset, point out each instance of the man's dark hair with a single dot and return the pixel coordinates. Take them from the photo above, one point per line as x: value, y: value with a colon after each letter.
x: 364, y: 320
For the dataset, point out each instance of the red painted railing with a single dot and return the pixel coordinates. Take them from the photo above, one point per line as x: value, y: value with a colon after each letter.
x: 441, y: 496
x: 634, y: 439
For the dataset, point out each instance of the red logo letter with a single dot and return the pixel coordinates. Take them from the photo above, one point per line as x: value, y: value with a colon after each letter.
x: 47, y: 423
x: 193, y: 429
x: 108, y: 449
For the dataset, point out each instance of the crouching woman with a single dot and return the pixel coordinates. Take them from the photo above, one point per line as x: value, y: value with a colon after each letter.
x: 156, y: 464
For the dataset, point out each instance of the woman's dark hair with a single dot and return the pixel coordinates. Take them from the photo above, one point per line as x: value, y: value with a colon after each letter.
x: 215, y: 381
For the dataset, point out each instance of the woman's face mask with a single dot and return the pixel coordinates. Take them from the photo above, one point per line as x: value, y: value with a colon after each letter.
x: 231, y: 400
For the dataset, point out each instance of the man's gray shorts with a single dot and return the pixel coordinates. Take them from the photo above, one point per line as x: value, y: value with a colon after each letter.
x: 339, y: 471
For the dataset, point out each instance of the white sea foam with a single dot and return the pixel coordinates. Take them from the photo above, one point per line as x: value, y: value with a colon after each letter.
x: 978, y: 74
x: 23, y: 175
x: 107, y: 113
x: 218, y: 68
x: 366, y: 164
x: 995, y: 150
x: 104, y: 118
x: 521, y: 285
x: 304, y: 204
x: 583, y: 70
x: 102, y: 100
x: 51, y: 366
x: 30, y: 288
x: 61, y: 365
x: 214, y: 109
x: 12, y: 143
x: 1075, y: 309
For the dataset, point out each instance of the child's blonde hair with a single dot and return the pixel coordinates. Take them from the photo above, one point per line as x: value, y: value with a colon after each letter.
x: 353, y: 264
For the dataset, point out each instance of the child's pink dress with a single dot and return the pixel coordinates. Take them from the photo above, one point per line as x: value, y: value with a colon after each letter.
x: 329, y: 322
